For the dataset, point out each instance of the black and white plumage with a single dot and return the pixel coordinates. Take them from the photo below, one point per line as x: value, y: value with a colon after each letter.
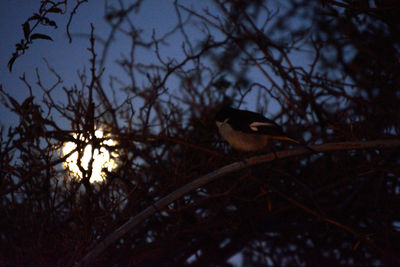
x: 248, y: 131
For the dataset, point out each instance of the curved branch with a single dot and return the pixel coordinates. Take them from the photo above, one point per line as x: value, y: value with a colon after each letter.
x: 163, y: 202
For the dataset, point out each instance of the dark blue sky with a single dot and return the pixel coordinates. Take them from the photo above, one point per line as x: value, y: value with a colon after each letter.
x: 67, y: 58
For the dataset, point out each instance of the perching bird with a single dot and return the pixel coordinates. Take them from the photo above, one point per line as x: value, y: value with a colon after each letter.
x: 248, y: 131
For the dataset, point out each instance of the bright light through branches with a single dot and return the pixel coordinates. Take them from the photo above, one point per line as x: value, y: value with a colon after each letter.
x: 101, y: 158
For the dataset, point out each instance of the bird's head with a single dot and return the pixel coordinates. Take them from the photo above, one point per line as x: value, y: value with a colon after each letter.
x: 223, y: 114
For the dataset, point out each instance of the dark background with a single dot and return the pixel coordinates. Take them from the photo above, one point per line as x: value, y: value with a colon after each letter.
x: 151, y: 75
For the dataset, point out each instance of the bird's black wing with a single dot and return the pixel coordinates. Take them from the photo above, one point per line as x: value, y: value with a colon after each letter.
x: 255, y: 123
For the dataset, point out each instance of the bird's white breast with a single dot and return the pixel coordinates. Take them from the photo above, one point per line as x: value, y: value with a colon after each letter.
x: 240, y: 140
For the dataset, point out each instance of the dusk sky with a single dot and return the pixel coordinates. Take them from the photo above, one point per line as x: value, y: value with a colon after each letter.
x: 67, y: 58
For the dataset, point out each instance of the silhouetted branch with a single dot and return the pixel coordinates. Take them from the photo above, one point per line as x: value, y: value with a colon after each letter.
x: 326, y: 75
x: 165, y: 201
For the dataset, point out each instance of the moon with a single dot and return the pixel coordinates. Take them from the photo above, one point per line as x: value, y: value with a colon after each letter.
x: 102, y: 158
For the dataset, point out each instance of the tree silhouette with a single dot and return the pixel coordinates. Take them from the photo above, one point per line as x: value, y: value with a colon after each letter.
x: 181, y: 196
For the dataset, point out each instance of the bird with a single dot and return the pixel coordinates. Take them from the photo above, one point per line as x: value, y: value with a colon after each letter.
x: 248, y: 131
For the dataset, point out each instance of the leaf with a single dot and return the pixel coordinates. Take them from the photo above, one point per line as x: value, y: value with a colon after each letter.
x: 27, y: 30
x: 35, y: 16
x: 22, y: 45
x: 49, y: 22
x: 14, y: 103
x: 54, y: 10
x: 52, y: 23
x: 40, y: 36
x: 27, y: 103
x: 11, y: 61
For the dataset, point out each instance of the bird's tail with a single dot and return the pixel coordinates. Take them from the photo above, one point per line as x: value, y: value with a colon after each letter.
x: 285, y: 138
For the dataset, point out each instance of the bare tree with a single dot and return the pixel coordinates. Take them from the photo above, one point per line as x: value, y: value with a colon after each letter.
x: 177, y: 197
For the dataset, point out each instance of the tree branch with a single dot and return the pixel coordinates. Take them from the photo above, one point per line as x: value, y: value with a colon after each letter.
x: 163, y: 202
